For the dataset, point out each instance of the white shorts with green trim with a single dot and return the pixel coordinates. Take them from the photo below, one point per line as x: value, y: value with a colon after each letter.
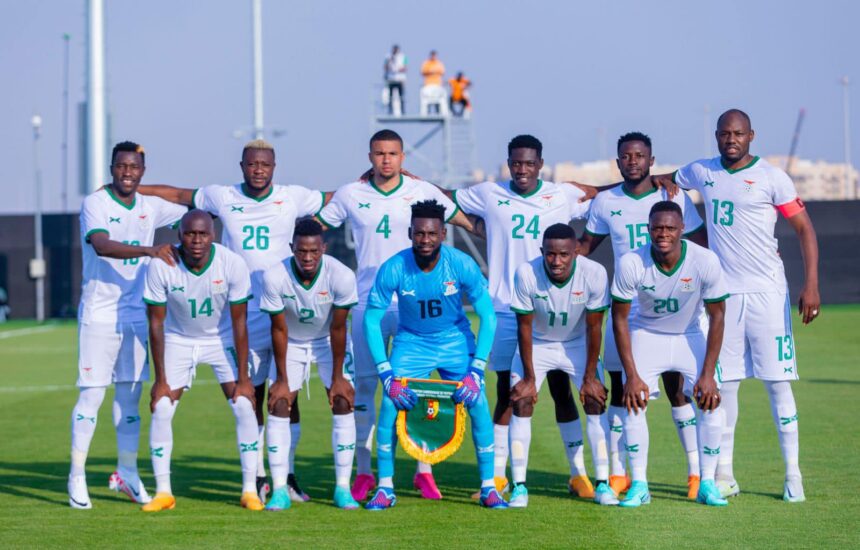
x: 112, y: 352
x: 656, y: 353
x: 758, y: 340
x: 181, y: 360
x: 301, y: 355
x: 569, y: 357
x: 259, y: 346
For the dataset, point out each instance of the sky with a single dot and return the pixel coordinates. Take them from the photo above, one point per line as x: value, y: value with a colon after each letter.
x: 575, y: 74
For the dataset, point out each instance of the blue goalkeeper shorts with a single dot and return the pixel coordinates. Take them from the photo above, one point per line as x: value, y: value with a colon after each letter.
x: 417, y: 355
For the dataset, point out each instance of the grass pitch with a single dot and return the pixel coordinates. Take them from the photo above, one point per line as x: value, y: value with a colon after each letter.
x: 38, y: 366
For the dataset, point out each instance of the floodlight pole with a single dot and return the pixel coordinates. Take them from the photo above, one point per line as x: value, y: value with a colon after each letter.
x: 96, y: 118
x: 37, y: 266
x: 850, y: 187
x: 257, y: 24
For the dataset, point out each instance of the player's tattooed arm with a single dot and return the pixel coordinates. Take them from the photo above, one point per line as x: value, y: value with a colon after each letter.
x: 809, y: 303
x: 244, y: 387
x: 341, y: 395
x: 155, y: 315
x: 524, y: 394
x: 636, y: 392
x: 279, y: 391
x: 104, y: 246
x: 177, y: 195
x: 705, y: 391
x: 592, y: 390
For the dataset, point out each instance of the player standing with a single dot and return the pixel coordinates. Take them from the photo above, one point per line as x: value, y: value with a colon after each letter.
x: 515, y: 215
x: 671, y: 278
x: 621, y: 213
x: 197, y: 313
x: 433, y: 333
x: 559, y: 300
x: 379, y: 211
x: 742, y: 195
x: 258, y: 218
x: 309, y: 297
x: 117, y: 230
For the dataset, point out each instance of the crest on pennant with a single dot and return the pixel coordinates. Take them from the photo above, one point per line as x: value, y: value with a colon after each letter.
x: 434, y: 428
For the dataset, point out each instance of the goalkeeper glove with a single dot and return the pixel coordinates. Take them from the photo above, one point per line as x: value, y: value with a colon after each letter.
x: 471, y: 385
x: 403, y: 397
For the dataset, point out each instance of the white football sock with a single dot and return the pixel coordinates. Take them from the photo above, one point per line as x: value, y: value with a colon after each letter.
x: 785, y: 417
x: 710, y: 428
x: 295, y: 437
x: 597, y: 428
x: 636, y: 435
x: 617, y: 454
x: 684, y: 418
x: 161, y: 443
x: 387, y: 482
x: 84, y: 419
x: 279, y: 449
x: 729, y: 405
x: 365, y: 419
x: 126, y: 421
x: 343, y: 445
x: 423, y: 468
x: 521, y: 438
x: 261, y: 446
x: 246, y: 440
x: 571, y: 438
x: 500, y: 449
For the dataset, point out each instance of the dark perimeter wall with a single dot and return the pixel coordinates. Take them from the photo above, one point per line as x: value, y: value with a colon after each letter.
x: 837, y: 225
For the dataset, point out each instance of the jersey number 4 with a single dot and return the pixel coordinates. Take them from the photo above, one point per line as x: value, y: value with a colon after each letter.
x: 533, y: 227
x: 383, y: 227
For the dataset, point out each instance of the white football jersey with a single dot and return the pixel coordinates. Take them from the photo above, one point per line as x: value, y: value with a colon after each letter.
x: 741, y: 214
x: 112, y: 288
x: 624, y: 217
x: 198, y: 304
x: 559, y: 309
x: 380, y: 221
x: 308, y: 308
x: 259, y: 230
x: 515, y: 225
x: 670, y: 302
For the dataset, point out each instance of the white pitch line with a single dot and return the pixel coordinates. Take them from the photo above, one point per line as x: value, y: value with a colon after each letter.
x: 25, y: 331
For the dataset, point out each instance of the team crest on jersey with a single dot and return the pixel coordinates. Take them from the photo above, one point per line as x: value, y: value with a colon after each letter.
x: 687, y: 284
x: 577, y: 297
x: 450, y: 288
x: 324, y: 297
x: 219, y: 286
x: 547, y: 199
x: 143, y: 221
x: 749, y: 186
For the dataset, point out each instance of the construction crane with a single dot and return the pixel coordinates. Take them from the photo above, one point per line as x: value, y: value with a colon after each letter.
x: 794, y: 139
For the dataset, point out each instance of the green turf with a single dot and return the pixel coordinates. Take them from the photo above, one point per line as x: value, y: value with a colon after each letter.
x: 38, y: 371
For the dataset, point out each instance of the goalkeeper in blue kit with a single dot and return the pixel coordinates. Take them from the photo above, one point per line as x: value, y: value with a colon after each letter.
x: 433, y: 333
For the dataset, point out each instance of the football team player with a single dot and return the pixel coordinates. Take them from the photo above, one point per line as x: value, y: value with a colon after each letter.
x: 433, y: 333
x: 117, y: 230
x: 197, y: 314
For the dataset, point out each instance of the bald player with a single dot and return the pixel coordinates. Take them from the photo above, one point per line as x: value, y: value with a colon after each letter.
x: 743, y: 195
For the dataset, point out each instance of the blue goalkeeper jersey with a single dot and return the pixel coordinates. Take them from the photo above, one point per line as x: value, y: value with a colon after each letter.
x: 429, y: 302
